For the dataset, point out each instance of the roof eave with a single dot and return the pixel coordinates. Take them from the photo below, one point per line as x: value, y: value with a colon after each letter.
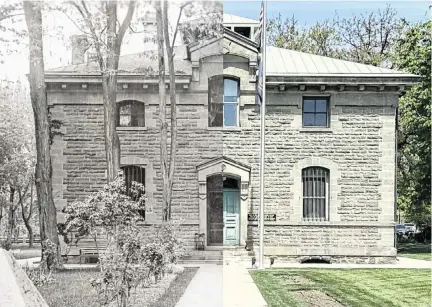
x: 70, y: 77
x: 343, y: 78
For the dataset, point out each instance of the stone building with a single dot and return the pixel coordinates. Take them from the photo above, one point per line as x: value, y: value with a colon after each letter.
x: 330, y: 145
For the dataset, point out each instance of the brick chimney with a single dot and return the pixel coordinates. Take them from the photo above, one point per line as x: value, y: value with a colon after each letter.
x: 79, y: 47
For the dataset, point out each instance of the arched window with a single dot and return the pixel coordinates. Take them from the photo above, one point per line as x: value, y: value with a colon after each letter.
x: 223, y: 104
x: 134, y: 173
x: 130, y: 114
x: 315, y: 193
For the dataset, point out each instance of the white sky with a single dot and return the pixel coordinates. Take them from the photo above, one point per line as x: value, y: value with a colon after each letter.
x: 57, y: 49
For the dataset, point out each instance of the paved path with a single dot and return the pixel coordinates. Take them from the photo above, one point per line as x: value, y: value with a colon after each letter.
x: 222, y: 286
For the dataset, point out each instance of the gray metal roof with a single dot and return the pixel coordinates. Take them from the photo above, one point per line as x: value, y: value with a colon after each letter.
x: 144, y: 63
x: 284, y: 62
x: 233, y: 19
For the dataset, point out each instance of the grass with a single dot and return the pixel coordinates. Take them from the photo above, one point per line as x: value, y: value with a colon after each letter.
x: 354, y: 288
x: 415, y: 251
x: 72, y: 288
x: 177, y: 288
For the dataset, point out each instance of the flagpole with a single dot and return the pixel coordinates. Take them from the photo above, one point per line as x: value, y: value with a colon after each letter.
x: 262, y: 155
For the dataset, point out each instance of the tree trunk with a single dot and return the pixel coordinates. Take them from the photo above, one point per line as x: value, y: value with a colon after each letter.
x: 112, y: 142
x: 162, y: 111
x: 26, y: 218
x: 173, y: 102
x: 11, y: 219
x: 47, y: 209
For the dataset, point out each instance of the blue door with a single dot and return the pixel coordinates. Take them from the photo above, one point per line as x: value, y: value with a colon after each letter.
x: 231, y: 216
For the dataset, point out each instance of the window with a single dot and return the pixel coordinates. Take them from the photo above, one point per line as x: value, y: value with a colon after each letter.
x: 223, y: 102
x: 315, y: 112
x: 131, y: 114
x: 134, y: 173
x: 315, y: 193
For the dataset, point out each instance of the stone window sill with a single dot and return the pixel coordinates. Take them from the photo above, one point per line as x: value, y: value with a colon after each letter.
x: 224, y: 128
x: 316, y: 129
x: 131, y: 128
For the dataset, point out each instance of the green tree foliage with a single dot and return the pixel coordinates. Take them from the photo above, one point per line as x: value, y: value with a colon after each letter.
x: 366, y: 38
x: 413, y: 54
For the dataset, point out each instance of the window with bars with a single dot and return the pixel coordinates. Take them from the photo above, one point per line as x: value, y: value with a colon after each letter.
x: 131, y: 114
x: 315, y: 182
x: 134, y: 173
x: 315, y: 112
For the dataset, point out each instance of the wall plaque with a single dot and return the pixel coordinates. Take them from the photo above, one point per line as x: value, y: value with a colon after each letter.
x: 267, y: 217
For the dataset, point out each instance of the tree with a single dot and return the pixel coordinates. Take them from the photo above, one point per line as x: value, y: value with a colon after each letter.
x: 197, y: 29
x: 413, y: 54
x: 369, y: 38
x: 27, y: 209
x: 17, y: 156
x: 100, y: 25
x: 43, y: 173
x: 365, y: 38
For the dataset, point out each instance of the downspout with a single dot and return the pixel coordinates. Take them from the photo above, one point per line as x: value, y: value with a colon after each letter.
x: 395, y: 174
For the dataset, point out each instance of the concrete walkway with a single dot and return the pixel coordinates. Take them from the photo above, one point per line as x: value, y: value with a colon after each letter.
x: 222, y: 286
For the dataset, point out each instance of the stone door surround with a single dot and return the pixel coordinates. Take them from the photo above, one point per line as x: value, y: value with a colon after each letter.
x: 226, y: 167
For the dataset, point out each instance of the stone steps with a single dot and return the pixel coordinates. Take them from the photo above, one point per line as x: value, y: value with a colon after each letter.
x: 218, y: 255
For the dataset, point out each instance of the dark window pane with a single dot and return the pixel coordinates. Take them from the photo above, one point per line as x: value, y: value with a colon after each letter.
x: 321, y: 106
x: 230, y: 114
x: 308, y: 119
x: 137, y: 114
x: 131, y: 114
x: 309, y: 106
x: 215, y: 111
x: 321, y: 120
x: 215, y: 115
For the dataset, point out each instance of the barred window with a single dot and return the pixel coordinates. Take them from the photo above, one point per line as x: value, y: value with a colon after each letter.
x: 134, y: 173
x: 315, y: 193
x: 130, y: 114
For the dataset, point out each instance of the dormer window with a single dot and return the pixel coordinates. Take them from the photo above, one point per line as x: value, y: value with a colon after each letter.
x: 245, y: 31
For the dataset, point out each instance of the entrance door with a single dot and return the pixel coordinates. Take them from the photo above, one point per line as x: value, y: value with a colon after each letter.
x: 231, y: 216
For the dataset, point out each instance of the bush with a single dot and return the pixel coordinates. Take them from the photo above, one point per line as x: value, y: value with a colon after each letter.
x: 131, y: 258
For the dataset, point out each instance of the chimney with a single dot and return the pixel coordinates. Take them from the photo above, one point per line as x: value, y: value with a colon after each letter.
x: 79, y: 47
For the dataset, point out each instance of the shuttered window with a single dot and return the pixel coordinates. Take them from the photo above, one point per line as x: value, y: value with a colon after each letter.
x: 134, y: 173
x: 315, y: 193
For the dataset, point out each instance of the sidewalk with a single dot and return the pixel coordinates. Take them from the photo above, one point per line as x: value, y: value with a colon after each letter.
x: 222, y: 286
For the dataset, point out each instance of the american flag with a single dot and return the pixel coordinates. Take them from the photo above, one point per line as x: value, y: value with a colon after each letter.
x: 260, y: 29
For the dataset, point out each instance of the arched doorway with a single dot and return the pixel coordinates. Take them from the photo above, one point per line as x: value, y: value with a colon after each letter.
x: 223, y: 210
x: 223, y: 201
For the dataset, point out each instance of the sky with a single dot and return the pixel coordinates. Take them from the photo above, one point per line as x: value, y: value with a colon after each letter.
x: 58, y: 53
x: 309, y: 12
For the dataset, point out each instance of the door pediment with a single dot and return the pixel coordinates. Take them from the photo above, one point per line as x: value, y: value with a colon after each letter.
x: 223, y: 165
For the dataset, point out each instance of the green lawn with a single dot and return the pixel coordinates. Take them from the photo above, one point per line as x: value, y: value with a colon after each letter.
x: 354, y: 288
x: 415, y: 250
